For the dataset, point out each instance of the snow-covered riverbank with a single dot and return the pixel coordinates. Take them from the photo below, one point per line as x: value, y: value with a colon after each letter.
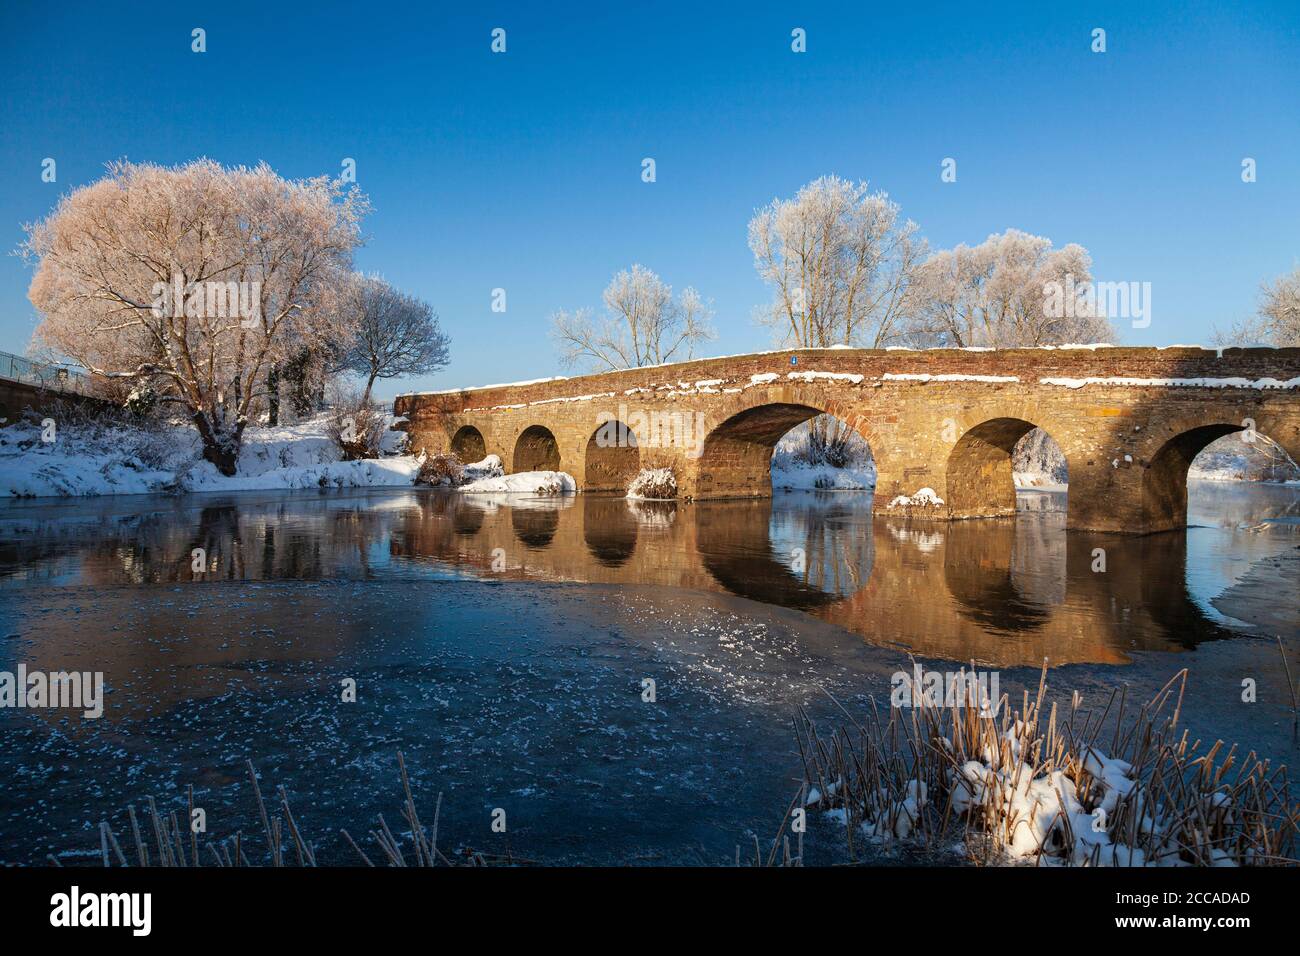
x: 794, y: 468
x: 89, y: 459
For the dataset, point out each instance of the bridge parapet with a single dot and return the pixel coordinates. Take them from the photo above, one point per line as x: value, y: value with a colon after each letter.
x: 26, y: 383
x: 58, y: 378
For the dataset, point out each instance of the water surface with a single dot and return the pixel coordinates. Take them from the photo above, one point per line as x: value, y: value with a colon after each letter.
x: 503, y: 645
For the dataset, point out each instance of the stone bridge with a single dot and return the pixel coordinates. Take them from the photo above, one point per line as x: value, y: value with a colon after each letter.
x: 1129, y: 420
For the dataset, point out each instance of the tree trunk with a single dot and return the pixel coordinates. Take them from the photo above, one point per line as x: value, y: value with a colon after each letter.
x: 365, y: 396
x: 273, y: 398
x: 220, y: 449
x: 223, y: 456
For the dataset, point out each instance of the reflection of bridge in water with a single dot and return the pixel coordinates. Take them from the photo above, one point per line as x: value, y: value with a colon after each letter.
x: 1004, y: 592
x: 997, y: 592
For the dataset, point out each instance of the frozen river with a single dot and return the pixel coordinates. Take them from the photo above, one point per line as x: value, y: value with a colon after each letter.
x: 504, y: 646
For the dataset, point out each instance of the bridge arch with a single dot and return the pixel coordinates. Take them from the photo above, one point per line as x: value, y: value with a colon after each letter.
x: 980, y: 472
x: 1164, y: 479
x: 536, y: 450
x: 735, y: 459
x: 613, y: 458
x: 468, y: 444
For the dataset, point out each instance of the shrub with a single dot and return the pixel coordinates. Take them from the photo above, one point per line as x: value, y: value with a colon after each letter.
x: 490, y: 467
x: 824, y: 440
x: 441, y: 470
x: 141, y: 436
x: 659, y: 483
x: 357, y: 427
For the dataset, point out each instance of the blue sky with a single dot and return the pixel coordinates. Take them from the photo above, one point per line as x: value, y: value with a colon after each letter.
x: 522, y: 170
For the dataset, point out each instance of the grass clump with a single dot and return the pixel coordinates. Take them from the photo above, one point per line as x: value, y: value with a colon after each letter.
x: 1043, y: 787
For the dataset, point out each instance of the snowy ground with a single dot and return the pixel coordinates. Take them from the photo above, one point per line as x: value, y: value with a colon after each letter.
x: 523, y: 482
x: 89, y: 459
x: 1037, y: 481
x: 789, y: 475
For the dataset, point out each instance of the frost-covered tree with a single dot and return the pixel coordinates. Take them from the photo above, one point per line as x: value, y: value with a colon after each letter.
x: 1277, y: 322
x: 996, y: 294
x: 840, y: 261
x: 643, y: 324
x: 194, y: 281
x: 396, y: 334
x: 1279, y: 308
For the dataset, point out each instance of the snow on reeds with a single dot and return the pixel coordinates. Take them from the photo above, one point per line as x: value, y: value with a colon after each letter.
x: 1119, y: 788
x: 653, y: 484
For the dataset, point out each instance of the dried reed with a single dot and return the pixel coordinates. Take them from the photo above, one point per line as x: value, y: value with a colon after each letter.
x: 1031, y: 786
x: 169, y: 843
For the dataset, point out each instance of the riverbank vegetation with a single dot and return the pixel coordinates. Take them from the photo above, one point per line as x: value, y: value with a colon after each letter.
x: 76, y: 450
x: 161, y: 839
x: 1049, y: 785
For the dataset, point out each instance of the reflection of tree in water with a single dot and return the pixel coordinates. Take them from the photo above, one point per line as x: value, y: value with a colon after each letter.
x: 1038, y: 555
x: 263, y: 544
x: 829, y: 536
x: 98, y: 550
x: 357, y: 530
x: 218, y: 535
x: 950, y: 588
x: 306, y: 540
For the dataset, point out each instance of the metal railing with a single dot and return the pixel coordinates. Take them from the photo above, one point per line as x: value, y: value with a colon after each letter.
x: 58, y: 378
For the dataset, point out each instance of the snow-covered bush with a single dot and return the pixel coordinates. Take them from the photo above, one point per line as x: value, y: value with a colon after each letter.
x: 655, y: 483
x: 357, y: 427
x: 441, y: 470
x: 448, y: 470
x: 112, y: 451
x: 925, y: 499
x: 133, y: 434
x: 490, y: 467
